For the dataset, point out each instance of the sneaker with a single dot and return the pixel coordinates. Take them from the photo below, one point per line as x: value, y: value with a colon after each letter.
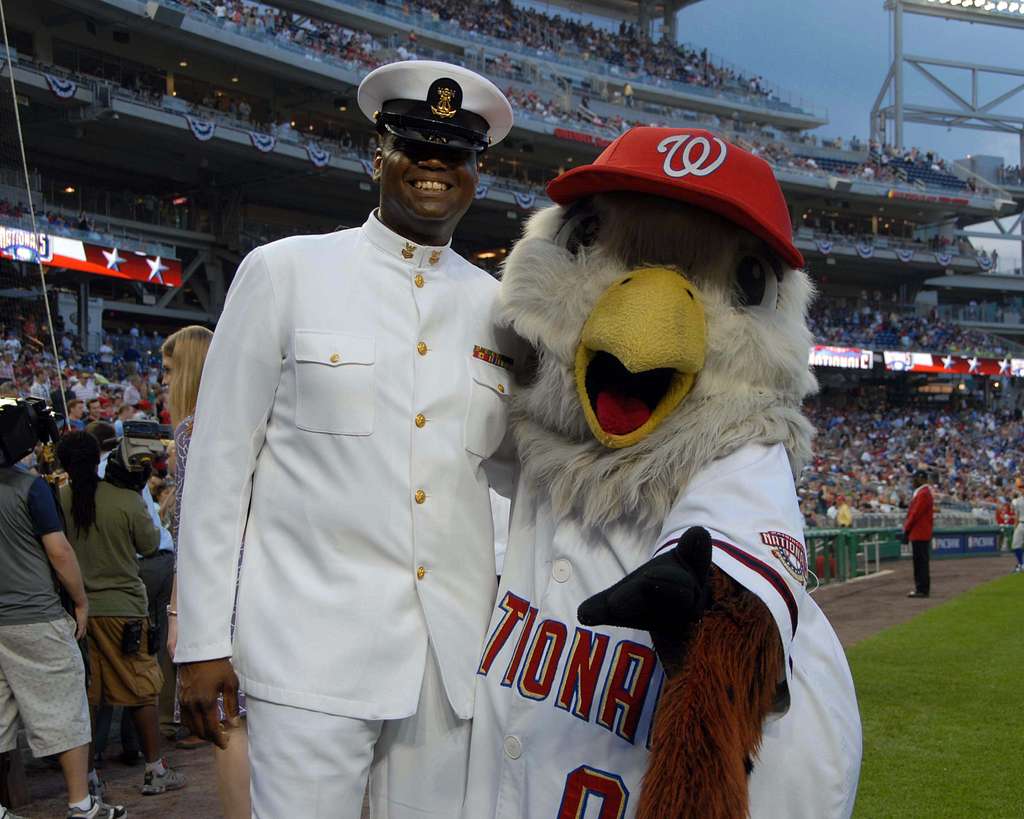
x: 171, y: 780
x: 99, y: 810
x: 917, y: 594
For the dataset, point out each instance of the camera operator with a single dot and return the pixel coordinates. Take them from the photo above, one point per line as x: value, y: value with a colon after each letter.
x: 107, y: 525
x: 157, y: 573
x: 42, y: 677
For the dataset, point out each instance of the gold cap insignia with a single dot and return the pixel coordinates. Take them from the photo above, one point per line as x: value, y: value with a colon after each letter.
x: 444, y: 97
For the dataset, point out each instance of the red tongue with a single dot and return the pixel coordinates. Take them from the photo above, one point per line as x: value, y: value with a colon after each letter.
x: 620, y: 414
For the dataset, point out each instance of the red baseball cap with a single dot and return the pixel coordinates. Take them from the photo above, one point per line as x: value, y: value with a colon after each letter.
x: 695, y: 166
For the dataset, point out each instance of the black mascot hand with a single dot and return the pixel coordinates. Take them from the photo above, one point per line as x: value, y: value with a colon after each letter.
x: 666, y: 596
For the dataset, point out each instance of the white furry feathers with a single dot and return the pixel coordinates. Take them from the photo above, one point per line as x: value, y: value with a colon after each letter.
x: 754, y: 379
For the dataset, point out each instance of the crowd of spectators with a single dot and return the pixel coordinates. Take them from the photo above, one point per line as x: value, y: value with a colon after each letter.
x: 878, y: 325
x: 1011, y: 175
x: 628, y: 51
x: 865, y: 455
x: 120, y: 382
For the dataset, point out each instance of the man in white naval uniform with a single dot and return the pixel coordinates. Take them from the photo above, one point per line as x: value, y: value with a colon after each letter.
x: 352, y: 402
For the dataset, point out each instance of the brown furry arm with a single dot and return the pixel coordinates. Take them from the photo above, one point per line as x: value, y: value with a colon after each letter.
x: 708, y: 724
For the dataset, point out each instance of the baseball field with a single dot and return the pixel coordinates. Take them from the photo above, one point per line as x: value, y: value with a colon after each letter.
x: 940, y: 699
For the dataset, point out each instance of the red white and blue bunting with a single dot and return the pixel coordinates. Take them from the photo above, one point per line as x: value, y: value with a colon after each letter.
x: 62, y: 88
x: 864, y: 249
x: 367, y: 166
x: 317, y: 155
x: 984, y: 262
x: 824, y: 246
x: 905, y: 254
x: 201, y: 129
x: 944, y: 259
x: 525, y: 200
x: 481, y: 191
x: 264, y: 143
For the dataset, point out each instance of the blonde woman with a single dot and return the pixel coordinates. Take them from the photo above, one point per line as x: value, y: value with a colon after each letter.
x: 184, y: 354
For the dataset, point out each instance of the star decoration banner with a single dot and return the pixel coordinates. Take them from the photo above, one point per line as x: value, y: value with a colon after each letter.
x: 525, y: 200
x: 120, y: 262
x: 864, y: 249
x: 317, y: 155
x: 898, y: 361
x: 62, y: 88
x: 264, y: 143
x: 201, y: 129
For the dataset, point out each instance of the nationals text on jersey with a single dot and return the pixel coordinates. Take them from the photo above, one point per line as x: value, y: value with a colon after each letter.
x: 623, y: 674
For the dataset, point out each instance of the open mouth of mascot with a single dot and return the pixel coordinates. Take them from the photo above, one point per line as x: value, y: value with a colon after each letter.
x: 639, y: 354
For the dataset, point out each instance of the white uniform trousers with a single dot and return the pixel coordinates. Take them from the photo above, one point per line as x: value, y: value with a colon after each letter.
x: 315, y: 765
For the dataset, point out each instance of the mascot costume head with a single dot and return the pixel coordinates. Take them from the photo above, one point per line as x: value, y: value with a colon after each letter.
x: 665, y: 306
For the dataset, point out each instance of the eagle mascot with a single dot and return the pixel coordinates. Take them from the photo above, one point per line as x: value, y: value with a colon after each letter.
x: 653, y: 650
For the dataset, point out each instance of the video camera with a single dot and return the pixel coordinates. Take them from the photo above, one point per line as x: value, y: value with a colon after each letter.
x: 24, y: 423
x: 131, y: 462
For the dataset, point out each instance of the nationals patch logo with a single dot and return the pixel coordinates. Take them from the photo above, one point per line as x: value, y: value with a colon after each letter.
x: 789, y: 551
x: 696, y: 155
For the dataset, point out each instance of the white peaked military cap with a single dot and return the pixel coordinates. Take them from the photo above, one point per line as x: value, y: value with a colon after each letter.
x: 435, y: 102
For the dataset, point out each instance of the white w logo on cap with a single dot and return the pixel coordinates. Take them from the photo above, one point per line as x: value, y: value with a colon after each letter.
x: 691, y: 165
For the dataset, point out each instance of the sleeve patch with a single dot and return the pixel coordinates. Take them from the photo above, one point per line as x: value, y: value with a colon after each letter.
x: 790, y: 552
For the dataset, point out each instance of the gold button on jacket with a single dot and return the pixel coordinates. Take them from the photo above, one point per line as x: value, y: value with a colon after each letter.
x: 420, y: 496
x: 421, y: 420
x: 421, y: 573
x: 421, y: 348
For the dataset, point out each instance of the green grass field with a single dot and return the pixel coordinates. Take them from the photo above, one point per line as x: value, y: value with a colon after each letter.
x: 942, y: 703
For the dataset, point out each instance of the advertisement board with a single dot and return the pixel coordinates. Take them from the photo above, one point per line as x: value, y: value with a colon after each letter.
x: 73, y: 254
x: 849, y: 358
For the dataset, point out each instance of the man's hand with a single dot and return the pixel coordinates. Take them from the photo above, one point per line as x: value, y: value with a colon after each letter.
x: 81, y: 619
x: 201, y: 683
x: 665, y: 597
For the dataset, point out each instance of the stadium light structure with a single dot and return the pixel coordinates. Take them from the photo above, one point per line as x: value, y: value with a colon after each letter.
x: 959, y: 111
x: 969, y: 111
x: 986, y: 12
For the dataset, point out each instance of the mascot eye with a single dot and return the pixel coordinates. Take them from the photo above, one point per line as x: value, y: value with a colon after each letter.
x: 580, y: 227
x: 757, y: 282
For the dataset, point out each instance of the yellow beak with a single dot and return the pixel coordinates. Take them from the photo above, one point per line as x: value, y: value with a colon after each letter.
x: 639, y: 354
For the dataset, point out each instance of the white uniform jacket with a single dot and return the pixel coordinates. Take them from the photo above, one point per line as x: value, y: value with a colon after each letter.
x: 563, y: 715
x: 353, y: 390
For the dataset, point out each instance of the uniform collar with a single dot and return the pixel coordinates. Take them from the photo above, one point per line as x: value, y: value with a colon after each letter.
x: 400, y: 248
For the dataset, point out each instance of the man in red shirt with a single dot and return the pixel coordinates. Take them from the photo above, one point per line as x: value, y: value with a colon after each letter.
x: 917, y: 530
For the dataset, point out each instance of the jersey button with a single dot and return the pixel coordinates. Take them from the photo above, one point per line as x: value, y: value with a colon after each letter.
x: 561, y: 570
x: 513, y: 747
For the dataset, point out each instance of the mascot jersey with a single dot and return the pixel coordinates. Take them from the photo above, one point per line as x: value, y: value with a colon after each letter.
x: 563, y: 713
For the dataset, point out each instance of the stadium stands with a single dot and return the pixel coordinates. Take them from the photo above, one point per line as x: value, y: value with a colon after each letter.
x: 878, y: 326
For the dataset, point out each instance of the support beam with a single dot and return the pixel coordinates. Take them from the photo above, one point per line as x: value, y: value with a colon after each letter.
x: 897, y: 61
x: 193, y: 266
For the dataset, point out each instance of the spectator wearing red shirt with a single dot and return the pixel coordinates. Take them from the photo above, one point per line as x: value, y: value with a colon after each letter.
x: 917, y: 530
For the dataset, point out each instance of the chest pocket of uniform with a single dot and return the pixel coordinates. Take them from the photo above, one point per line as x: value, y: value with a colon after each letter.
x: 490, y: 388
x: 334, y: 382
